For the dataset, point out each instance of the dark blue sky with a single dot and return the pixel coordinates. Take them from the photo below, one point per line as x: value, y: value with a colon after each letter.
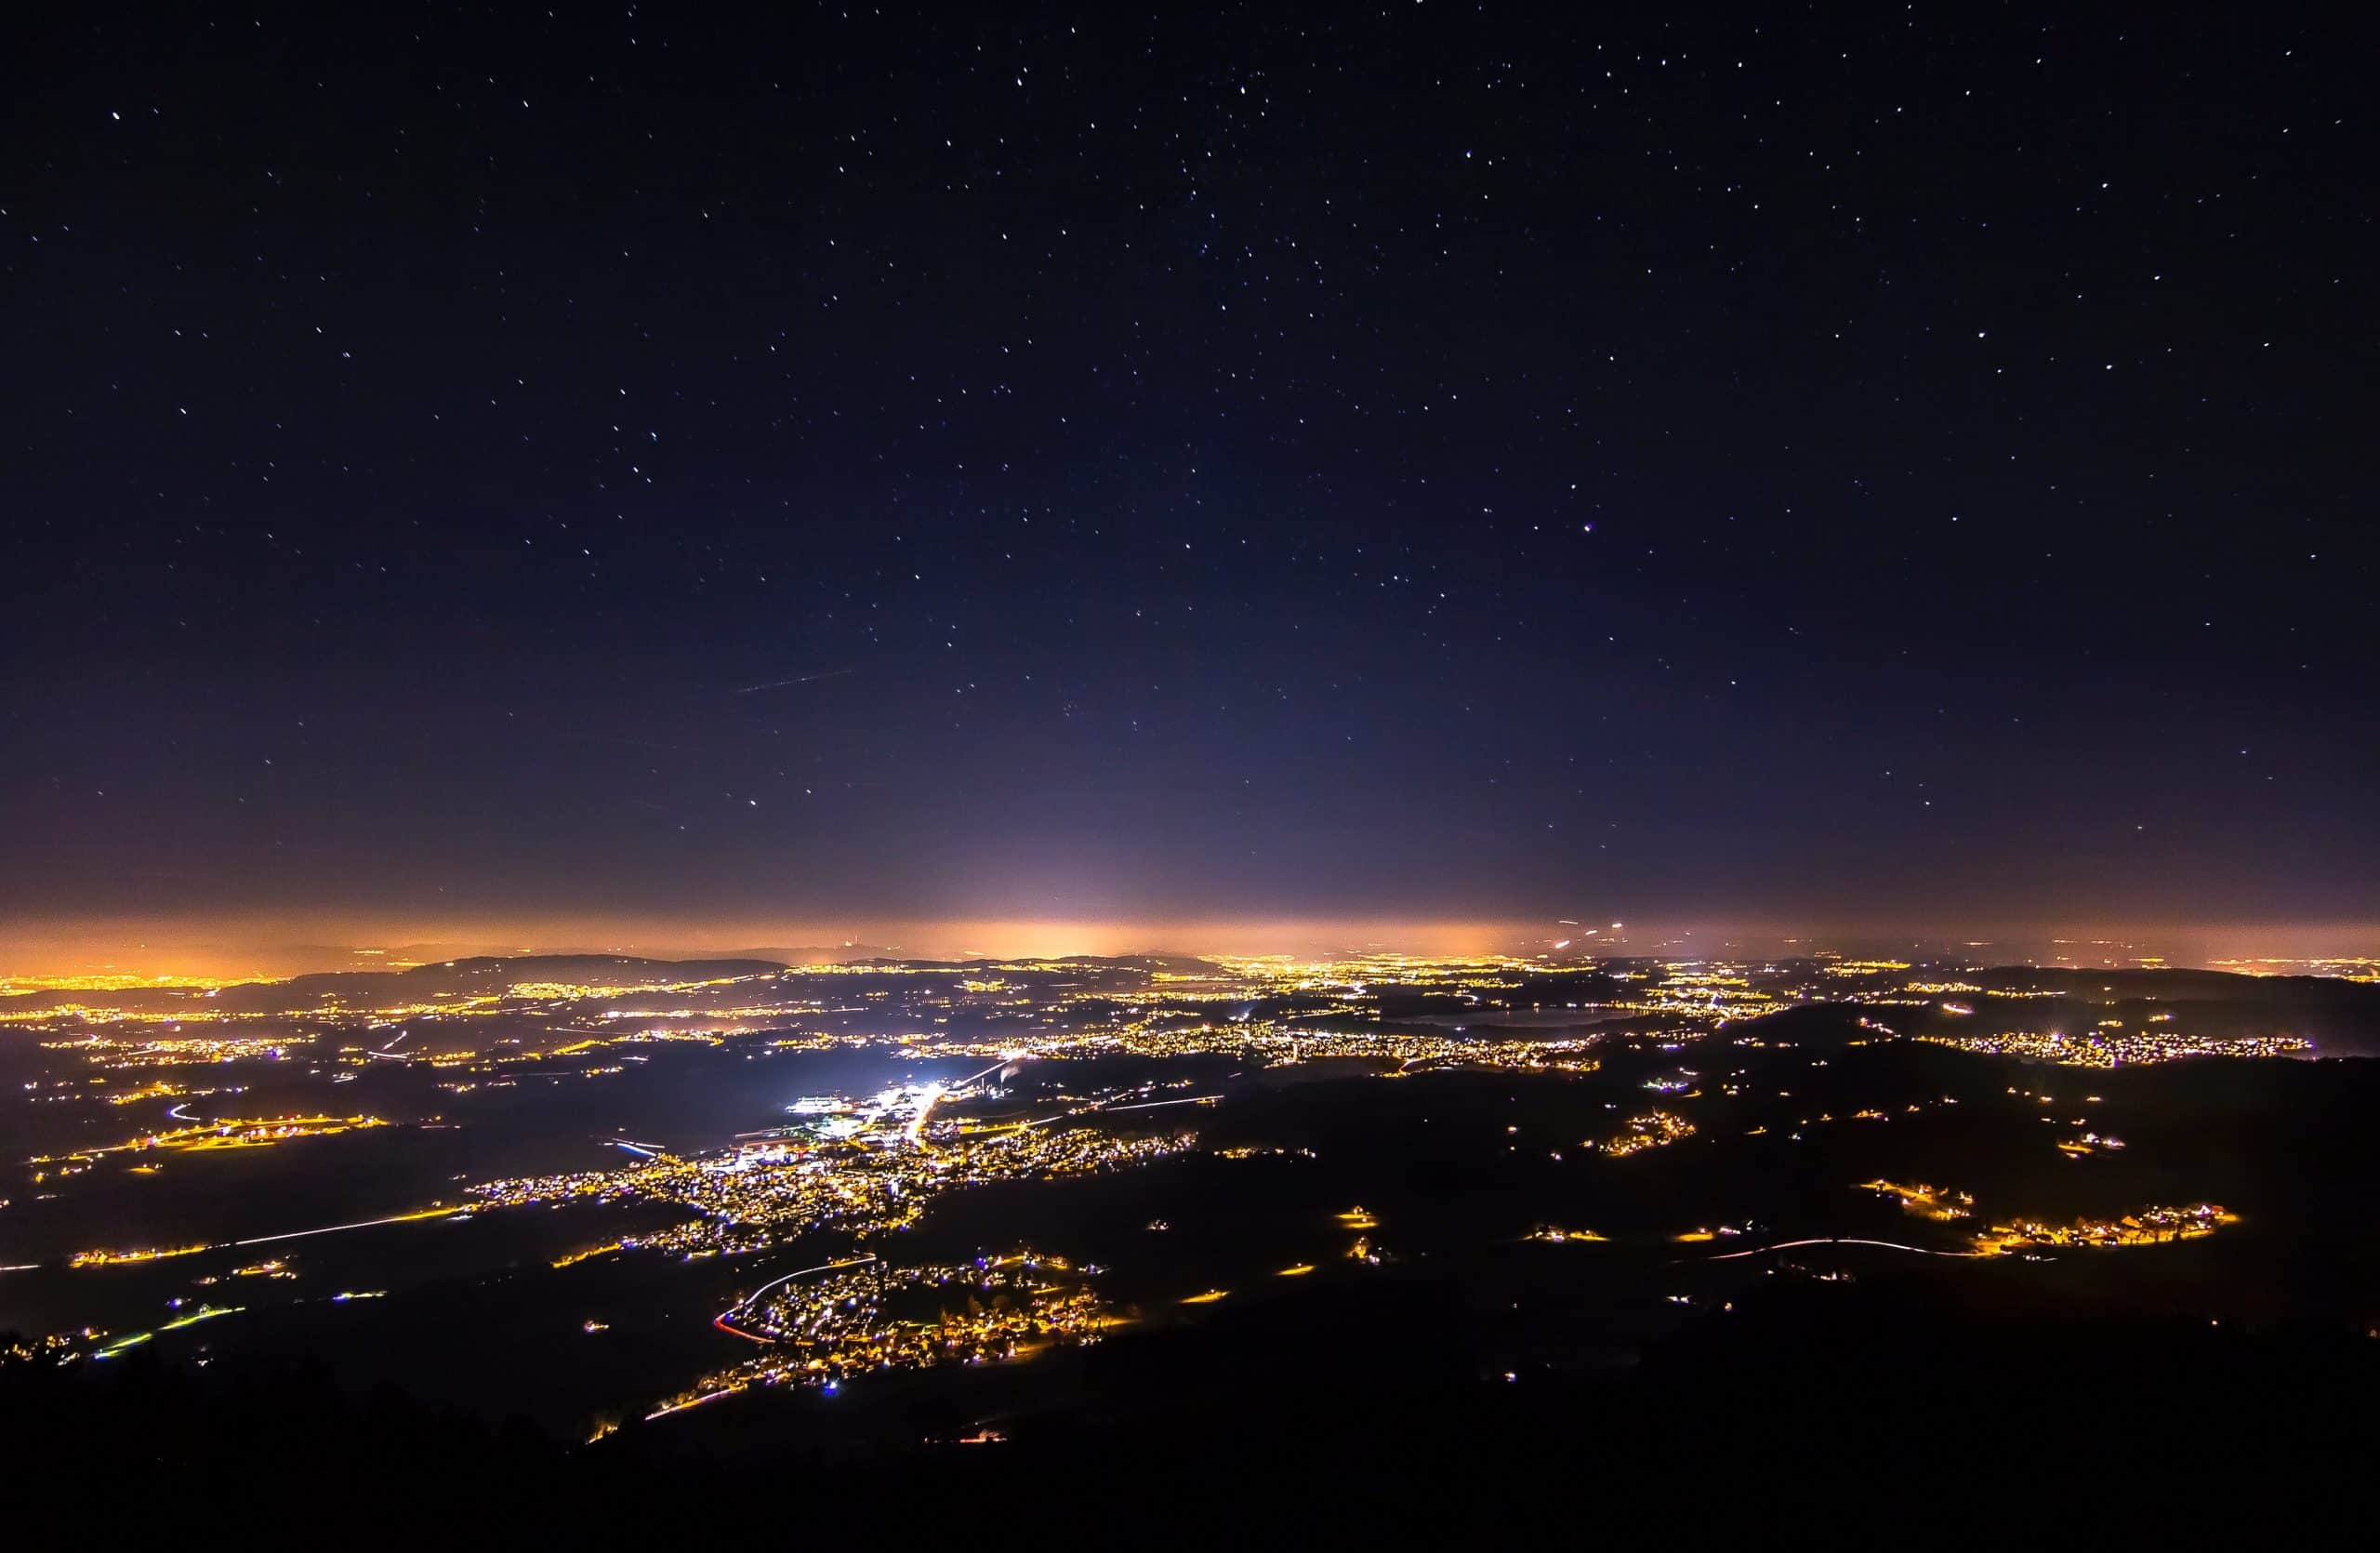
x: 1427, y: 460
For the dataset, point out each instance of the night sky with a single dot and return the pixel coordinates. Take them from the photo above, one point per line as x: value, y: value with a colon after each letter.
x: 1893, y: 468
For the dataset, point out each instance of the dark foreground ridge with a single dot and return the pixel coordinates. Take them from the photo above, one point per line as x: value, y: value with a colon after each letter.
x: 1830, y: 1414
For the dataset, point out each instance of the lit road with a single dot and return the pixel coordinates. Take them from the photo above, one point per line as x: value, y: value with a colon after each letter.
x: 360, y: 1224
x: 1840, y: 1239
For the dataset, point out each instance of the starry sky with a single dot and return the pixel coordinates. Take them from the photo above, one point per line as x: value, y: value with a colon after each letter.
x: 1886, y: 467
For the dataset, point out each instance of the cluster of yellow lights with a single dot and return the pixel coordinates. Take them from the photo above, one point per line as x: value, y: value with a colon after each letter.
x: 233, y: 1133
x: 2150, y: 1225
x: 1938, y: 1203
x: 2115, y: 1048
x: 2345, y: 967
x: 120, y: 1258
x: 880, y: 1177
x: 1652, y: 1130
x: 823, y: 1330
x: 106, y: 981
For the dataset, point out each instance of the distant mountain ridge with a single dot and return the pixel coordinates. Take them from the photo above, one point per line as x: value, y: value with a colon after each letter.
x: 482, y: 975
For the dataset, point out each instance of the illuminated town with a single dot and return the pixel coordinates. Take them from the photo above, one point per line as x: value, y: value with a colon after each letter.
x: 2116, y: 1048
x: 827, y: 1326
x: 837, y: 1212
x: 1652, y: 1130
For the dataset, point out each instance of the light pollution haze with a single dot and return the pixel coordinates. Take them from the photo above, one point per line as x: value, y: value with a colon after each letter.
x: 279, y: 945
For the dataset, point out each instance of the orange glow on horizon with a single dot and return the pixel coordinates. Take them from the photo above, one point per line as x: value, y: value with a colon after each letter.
x: 251, y: 947
x: 242, y: 946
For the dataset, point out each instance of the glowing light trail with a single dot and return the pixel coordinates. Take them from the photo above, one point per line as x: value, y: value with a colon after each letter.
x: 745, y: 1304
x: 1841, y: 1239
x: 360, y: 1224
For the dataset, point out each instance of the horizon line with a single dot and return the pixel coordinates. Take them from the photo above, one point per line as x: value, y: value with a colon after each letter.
x: 277, y: 945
